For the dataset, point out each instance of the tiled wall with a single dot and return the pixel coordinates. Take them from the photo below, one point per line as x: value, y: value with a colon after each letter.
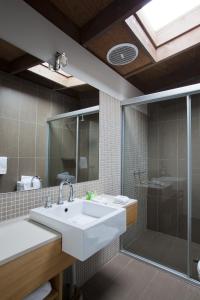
x: 24, y: 109
x: 168, y: 157
x: 155, y: 146
x: 167, y: 209
x: 156, y: 149
x: 167, y: 137
x: 135, y: 167
x: 17, y: 204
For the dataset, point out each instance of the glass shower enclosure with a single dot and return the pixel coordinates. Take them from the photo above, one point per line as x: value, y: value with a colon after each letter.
x: 161, y: 169
x: 73, y: 146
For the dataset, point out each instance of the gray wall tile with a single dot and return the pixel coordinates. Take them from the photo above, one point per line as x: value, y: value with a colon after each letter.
x: 9, y: 133
x: 28, y: 103
x: 44, y: 106
x: 27, y: 166
x: 27, y: 139
x: 10, y: 96
x: 41, y: 140
x: 24, y: 109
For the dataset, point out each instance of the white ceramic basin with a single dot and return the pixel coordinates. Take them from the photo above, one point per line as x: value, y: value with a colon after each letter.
x: 171, y: 179
x: 86, y: 226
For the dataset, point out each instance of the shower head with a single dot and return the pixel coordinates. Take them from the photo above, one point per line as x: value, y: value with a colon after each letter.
x: 82, y: 118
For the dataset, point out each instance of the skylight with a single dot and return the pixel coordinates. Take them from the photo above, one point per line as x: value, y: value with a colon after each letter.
x: 160, y: 13
x: 59, y: 77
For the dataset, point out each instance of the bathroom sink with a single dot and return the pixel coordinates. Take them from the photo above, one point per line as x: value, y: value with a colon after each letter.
x: 171, y: 179
x: 86, y: 227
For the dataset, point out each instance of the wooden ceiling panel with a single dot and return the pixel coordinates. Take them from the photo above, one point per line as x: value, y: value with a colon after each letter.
x: 27, y: 75
x: 9, y: 52
x: 80, y: 12
x: 83, y: 88
x: 119, y: 33
x: 14, y: 60
x: 170, y: 73
x: 74, y: 17
x: 55, y: 16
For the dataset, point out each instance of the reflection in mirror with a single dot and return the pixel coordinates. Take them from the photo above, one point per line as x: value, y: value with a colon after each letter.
x: 74, y: 146
x: 88, y: 155
x: 27, y: 100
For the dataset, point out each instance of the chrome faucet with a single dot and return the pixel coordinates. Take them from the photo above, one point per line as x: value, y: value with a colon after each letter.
x: 71, y: 192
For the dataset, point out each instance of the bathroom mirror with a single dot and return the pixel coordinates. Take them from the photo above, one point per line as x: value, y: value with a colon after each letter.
x: 49, y: 125
x: 73, y: 146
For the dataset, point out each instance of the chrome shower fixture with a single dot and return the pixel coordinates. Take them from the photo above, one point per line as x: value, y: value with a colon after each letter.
x: 60, y: 60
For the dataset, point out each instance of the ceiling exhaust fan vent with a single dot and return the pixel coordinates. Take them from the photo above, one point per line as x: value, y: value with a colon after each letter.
x: 122, y: 54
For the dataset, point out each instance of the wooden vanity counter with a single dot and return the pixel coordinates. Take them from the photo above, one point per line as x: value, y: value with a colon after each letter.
x: 29, y: 269
x: 131, y: 213
x: 31, y: 254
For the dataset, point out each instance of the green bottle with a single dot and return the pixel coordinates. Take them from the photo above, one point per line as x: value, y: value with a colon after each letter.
x: 90, y: 195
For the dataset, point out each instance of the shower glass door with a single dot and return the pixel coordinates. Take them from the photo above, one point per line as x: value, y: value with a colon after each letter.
x: 88, y: 147
x: 195, y: 215
x: 155, y: 173
x: 62, y: 150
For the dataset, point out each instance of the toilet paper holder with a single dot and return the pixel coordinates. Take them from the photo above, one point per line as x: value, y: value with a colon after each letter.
x: 3, y: 165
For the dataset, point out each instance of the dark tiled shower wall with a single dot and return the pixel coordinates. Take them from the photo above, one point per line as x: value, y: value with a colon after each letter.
x: 17, y: 204
x: 167, y: 156
x: 135, y: 168
x: 24, y: 109
x: 167, y: 136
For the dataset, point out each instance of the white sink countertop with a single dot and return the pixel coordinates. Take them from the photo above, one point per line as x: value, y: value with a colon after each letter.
x: 20, y: 236
x: 86, y: 226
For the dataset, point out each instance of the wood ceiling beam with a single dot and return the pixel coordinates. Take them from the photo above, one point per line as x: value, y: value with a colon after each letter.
x: 188, y: 73
x: 22, y: 63
x: 55, y: 16
x: 19, y: 64
x: 118, y: 10
x: 42, y: 38
x: 3, y: 65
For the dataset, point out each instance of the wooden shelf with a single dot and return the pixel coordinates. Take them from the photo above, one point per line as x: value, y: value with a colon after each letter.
x: 30, y: 271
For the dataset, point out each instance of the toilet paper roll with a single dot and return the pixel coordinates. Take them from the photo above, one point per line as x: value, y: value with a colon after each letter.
x: 41, y: 293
